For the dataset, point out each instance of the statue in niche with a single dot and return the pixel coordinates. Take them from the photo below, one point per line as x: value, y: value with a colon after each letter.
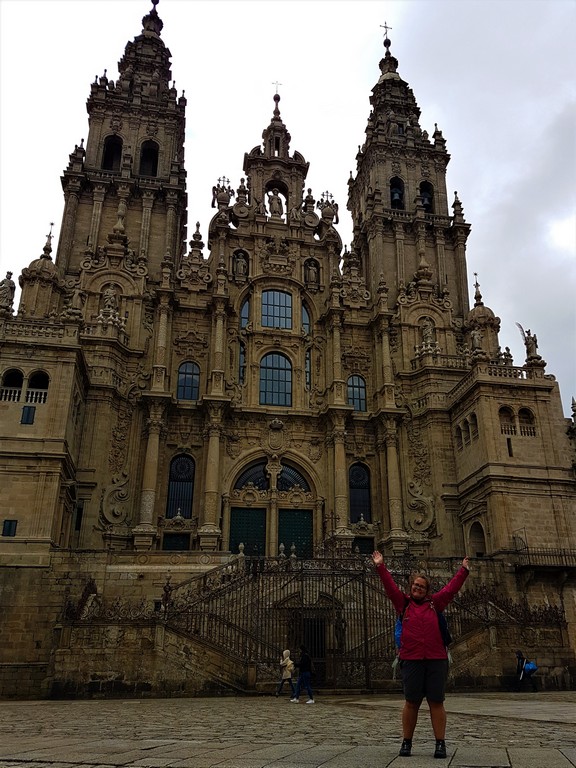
x: 7, y: 291
x: 241, y: 265
x: 275, y: 203
x: 312, y: 273
x: 427, y: 331
x: 110, y: 298
x: 476, y: 336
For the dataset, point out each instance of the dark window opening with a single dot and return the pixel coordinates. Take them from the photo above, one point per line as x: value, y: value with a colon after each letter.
x: 79, y: 515
x: 245, y: 313
x: 112, y: 155
x: 149, y: 159
x: 276, y: 309
x: 359, y: 491
x: 9, y: 527
x: 427, y: 196
x: 397, y: 193
x: 289, y: 477
x: 509, y: 445
x: 180, y: 487
x: 275, y: 380
x: 357, y: 393
x: 188, y: 382
x: 256, y: 474
x: 28, y: 414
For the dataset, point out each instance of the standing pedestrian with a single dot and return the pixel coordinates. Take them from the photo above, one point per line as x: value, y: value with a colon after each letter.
x: 286, y: 669
x: 304, y: 677
x: 423, y: 655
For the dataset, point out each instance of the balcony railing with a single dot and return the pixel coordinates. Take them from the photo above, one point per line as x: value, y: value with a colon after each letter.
x: 552, y: 558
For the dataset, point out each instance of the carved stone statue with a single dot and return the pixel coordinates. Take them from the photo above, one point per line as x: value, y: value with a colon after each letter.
x: 531, y: 343
x: 476, y: 336
x: 427, y: 331
x: 311, y: 273
x: 110, y: 299
x: 241, y: 265
x: 275, y: 204
x: 7, y: 290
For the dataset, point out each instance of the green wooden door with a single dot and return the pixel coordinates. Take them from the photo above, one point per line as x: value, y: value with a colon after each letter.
x: 295, y: 527
x: 248, y: 526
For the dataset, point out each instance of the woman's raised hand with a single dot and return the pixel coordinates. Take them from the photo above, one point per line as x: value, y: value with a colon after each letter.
x: 377, y: 558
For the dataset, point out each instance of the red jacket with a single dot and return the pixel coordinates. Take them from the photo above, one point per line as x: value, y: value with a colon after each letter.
x: 421, y: 638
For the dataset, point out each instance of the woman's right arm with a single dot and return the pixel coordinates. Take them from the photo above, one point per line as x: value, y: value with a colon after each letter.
x: 396, y: 595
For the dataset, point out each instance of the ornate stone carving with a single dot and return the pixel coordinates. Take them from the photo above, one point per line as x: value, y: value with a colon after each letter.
x: 114, y: 502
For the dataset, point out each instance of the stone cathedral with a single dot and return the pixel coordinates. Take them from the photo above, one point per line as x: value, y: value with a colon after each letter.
x: 176, y: 406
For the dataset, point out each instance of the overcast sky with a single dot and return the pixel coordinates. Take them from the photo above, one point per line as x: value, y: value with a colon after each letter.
x: 496, y: 75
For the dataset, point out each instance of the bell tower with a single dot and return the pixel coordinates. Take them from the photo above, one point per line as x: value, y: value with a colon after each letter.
x: 398, y: 198
x: 129, y: 180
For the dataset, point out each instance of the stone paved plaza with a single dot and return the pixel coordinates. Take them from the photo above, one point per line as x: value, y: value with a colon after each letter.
x: 521, y: 730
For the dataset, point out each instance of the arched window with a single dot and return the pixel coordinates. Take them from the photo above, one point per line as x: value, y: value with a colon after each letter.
x: 397, y: 193
x: 12, y: 383
x: 359, y: 492
x: 242, y: 364
x: 458, y: 436
x: 427, y: 195
x: 188, y: 382
x: 305, y: 319
x: 275, y: 380
x: 276, y: 309
x: 180, y: 487
x: 473, y: 426
x: 357, y: 393
x: 507, y: 423
x: 466, y: 432
x: 477, y: 540
x: 526, y: 423
x: 255, y: 475
x: 245, y: 313
x: 149, y: 159
x: 37, y: 391
x: 112, y: 154
x: 290, y: 477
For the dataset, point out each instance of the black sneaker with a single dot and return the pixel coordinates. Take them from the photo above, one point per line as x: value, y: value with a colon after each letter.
x: 440, y: 750
x: 406, y: 748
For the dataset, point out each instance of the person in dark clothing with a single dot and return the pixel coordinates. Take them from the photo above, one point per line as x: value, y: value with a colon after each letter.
x: 423, y: 655
x: 523, y: 673
x: 304, y: 676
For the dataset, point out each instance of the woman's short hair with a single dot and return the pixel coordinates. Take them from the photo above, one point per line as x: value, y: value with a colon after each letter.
x: 419, y: 575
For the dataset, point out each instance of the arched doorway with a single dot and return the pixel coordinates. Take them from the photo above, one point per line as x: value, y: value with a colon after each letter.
x: 271, y: 509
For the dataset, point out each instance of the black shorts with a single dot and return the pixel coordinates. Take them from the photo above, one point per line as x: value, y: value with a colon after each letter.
x: 424, y: 679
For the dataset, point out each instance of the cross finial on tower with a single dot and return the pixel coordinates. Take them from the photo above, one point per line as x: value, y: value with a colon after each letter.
x: 385, y: 27
x: 277, y: 84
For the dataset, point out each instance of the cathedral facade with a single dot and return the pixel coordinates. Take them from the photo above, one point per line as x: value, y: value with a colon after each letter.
x: 168, y: 407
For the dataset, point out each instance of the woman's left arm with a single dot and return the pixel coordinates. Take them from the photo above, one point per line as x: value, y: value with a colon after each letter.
x: 449, y: 592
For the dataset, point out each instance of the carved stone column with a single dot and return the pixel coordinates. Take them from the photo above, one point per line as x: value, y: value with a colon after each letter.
x: 217, y: 374
x: 98, y: 197
x: 68, y: 220
x: 145, y: 532
x: 209, y: 532
x: 396, y: 539
x: 399, y: 238
x: 338, y: 385
x: 147, y: 203
x: 161, y: 344
x: 387, y: 366
x: 340, y: 477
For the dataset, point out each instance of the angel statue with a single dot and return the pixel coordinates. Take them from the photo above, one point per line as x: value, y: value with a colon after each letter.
x: 530, y: 341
